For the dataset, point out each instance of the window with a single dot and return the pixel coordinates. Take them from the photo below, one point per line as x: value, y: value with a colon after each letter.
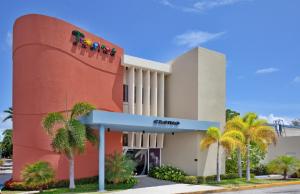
x: 125, y: 139
x: 125, y: 93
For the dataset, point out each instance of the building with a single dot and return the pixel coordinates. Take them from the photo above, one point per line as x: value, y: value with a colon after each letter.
x: 56, y: 64
x: 288, y: 142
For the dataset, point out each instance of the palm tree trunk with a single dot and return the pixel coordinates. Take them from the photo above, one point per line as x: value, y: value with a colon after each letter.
x: 218, y: 163
x: 71, y: 173
x: 239, y: 155
x: 285, y: 174
x: 248, y: 161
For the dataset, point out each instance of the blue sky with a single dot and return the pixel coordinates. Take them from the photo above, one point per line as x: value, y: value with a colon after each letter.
x: 259, y: 37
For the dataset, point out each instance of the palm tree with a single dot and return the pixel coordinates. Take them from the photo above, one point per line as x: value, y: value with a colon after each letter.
x: 69, y: 135
x: 228, y: 140
x: 38, y: 174
x: 255, y: 130
x: 284, y: 165
x: 9, y: 111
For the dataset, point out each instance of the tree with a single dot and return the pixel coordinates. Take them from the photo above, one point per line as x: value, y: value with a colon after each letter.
x: 118, y: 168
x: 284, y: 165
x: 38, y: 174
x: 69, y: 135
x: 230, y: 114
x: 255, y: 130
x: 9, y: 111
x: 6, y: 144
x: 228, y: 140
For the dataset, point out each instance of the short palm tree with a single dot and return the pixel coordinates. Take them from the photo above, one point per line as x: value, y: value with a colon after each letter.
x: 9, y: 111
x: 228, y: 140
x: 69, y: 135
x: 255, y: 130
x: 38, y: 174
x: 118, y: 168
x: 284, y: 165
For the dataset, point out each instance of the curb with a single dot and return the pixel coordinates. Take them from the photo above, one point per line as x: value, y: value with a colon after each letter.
x: 242, y: 188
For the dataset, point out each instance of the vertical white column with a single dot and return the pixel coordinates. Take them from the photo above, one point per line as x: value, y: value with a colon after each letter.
x: 161, y: 95
x: 139, y: 88
x: 101, y: 158
x: 146, y: 96
x: 153, y: 93
x: 131, y: 84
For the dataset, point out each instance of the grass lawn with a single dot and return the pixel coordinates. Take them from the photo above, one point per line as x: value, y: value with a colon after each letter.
x: 93, y: 187
x: 80, y: 188
x: 242, y: 182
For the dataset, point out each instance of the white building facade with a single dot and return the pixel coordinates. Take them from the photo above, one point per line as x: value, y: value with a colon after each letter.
x: 192, y: 86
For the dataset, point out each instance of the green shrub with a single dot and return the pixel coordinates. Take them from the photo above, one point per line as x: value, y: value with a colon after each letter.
x: 259, y: 170
x: 190, y: 180
x: 201, y: 179
x: 21, y: 186
x: 38, y: 174
x: 229, y: 176
x: 210, y: 178
x: 118, y: 168
x: 167, y: 173
x: 1, y: 162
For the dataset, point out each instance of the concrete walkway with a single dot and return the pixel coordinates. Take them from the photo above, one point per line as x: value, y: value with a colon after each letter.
x: 148, y: 185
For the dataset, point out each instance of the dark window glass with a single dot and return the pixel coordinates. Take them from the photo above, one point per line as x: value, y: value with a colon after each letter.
x: 134, y: 94
x: 125, y: 93
x: 125, y: 139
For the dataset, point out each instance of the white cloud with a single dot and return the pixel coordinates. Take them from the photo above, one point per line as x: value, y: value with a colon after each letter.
x: 271, y: 118
x: 195, y: 38
x: 267, y: 70
x: 4, y: 125
x: 200, y: 5
x: 297, y: 79
x: 9, y: 39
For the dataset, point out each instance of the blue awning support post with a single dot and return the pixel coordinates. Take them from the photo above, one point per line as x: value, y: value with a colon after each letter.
x: 101, y: 158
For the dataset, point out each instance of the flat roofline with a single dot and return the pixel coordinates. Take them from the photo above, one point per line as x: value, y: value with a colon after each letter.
x: 118, y: 121
x: 131, y: 61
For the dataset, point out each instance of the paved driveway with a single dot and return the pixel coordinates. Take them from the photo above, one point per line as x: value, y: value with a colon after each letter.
x: 291, y: 189
x: 149, y: 185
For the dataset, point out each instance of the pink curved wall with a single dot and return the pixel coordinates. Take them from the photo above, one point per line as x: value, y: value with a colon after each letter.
x: 51, y: 74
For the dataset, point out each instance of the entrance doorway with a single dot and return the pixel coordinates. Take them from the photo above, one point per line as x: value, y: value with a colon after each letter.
x: 145, y: 159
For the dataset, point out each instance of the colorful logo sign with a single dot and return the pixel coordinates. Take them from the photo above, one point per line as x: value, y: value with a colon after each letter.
x: 94, y: 46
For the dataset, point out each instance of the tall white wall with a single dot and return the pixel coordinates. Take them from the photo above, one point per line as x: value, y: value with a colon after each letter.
x: 285, y: 146
x: 195, y: 90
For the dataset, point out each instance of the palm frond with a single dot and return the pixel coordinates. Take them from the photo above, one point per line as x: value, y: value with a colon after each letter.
x: 51, y: 120
x: 259, y: 122
x: 206, y: 142
x: 214, y: 132
x: 77, y: 135
x: 249, y: 118
x: 91, y: 136
x: 235, y: 123
x: 262, y: 144
x: 267, y: 133
x: 228, y: 143
x: 233, y: 139
x: 60, y: 142
x: 6, y: 118
x: 81, y: 109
